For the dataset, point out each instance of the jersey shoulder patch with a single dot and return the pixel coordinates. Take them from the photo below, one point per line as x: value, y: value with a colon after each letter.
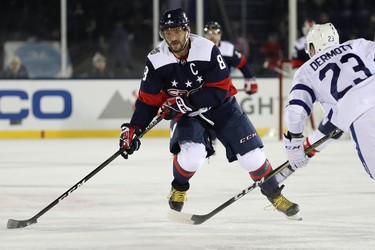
x: 161, y: 56
x: 154, y: 51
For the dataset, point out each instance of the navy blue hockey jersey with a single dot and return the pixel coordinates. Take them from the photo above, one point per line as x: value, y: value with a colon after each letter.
x: 202, y: 75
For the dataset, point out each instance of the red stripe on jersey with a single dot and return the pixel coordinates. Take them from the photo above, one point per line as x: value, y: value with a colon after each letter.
x: 180, y: 170
x: 232, y: 90
x: 242, y: 62
x: 225, y: 84
x: 261, y: 172
x: 152, y: 99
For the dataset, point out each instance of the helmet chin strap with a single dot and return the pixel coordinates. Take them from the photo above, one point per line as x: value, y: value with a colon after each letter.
x: 186, y: 41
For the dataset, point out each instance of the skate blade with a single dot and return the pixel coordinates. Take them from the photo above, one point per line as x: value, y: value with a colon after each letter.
x: 297, y: 217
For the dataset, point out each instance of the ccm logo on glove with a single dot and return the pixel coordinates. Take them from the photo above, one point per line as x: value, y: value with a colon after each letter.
x: 292, y: 147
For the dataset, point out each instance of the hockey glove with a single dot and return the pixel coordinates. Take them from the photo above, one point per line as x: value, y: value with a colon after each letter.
x: 128, y: 140
x: 175, y: 107
x: 294, y: 149
x: 307, y: 144
x: 251, y: 86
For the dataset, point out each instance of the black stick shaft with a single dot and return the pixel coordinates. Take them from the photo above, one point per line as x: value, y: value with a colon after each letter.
x: 278, y: 173
x: 15, y: 224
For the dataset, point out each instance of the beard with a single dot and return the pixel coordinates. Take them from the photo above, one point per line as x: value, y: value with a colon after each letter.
x: 176, y: 47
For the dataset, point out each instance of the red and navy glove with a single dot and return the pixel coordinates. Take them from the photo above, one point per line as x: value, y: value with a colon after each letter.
x: 128, y: 140
x: 251, y: 86
x: 175, y: 107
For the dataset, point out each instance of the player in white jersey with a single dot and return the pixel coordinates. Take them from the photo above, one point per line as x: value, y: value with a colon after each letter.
x: 299, y: 57
x: 188, y: 79
x: 341, y: 78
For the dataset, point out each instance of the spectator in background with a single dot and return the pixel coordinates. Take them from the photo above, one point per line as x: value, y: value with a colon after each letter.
x: 122, y: 54
x: 271, y: 49
x: 15, y: 69
x: 99, y: 67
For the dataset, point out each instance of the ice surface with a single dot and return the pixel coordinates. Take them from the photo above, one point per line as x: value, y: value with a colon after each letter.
x: 124, y: 206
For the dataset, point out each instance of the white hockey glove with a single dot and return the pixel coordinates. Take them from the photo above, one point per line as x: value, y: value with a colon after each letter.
x: 294, y: 149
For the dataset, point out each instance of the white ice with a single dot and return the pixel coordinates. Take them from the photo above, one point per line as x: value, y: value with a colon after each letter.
x: 124, y: 206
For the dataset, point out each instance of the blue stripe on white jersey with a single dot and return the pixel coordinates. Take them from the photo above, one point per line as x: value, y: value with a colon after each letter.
x: 302, y: 104
x: 304, y: 97
x: 305, y: 88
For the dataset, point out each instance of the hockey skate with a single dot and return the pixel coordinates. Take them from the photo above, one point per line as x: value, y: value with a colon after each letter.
x: 283, y: 205
x: 176, y: 199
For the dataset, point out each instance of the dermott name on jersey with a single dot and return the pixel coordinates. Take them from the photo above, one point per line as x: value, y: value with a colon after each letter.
x: 325, y: 56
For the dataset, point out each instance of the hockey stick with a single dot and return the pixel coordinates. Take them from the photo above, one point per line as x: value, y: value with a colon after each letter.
x: 267, y: 65
x: 280, y: 173
x: 24, y: 223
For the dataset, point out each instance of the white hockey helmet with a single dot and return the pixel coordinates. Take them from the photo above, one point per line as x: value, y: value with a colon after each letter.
x: 321, y: 36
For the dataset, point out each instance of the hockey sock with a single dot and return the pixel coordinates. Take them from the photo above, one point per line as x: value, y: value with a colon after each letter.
x: 181, y: 176
x: 262, y: 172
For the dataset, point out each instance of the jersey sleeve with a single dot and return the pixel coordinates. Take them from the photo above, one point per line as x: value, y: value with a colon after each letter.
x: 150, y: 97
x: 300, y: 103
x: 239, y: 61
x: 241, y: 64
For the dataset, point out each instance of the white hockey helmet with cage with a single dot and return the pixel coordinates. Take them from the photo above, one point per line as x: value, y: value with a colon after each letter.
x: 321, y: 36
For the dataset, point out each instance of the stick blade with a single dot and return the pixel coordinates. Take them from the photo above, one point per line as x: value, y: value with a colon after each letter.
x: 186, y: 218
x: 176, y: 216
x: 19, y: 223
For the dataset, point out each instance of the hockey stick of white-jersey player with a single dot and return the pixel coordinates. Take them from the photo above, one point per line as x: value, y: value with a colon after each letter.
x: 24, y: 223
x: 281, y: 173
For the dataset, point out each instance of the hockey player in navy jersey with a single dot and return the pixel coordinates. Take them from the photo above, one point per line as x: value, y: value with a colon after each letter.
x: 232, y: 57
x: 187, y: 77
x: 341, y: 78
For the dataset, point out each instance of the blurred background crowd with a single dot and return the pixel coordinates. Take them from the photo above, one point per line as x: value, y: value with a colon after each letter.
x: 110, y: 39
